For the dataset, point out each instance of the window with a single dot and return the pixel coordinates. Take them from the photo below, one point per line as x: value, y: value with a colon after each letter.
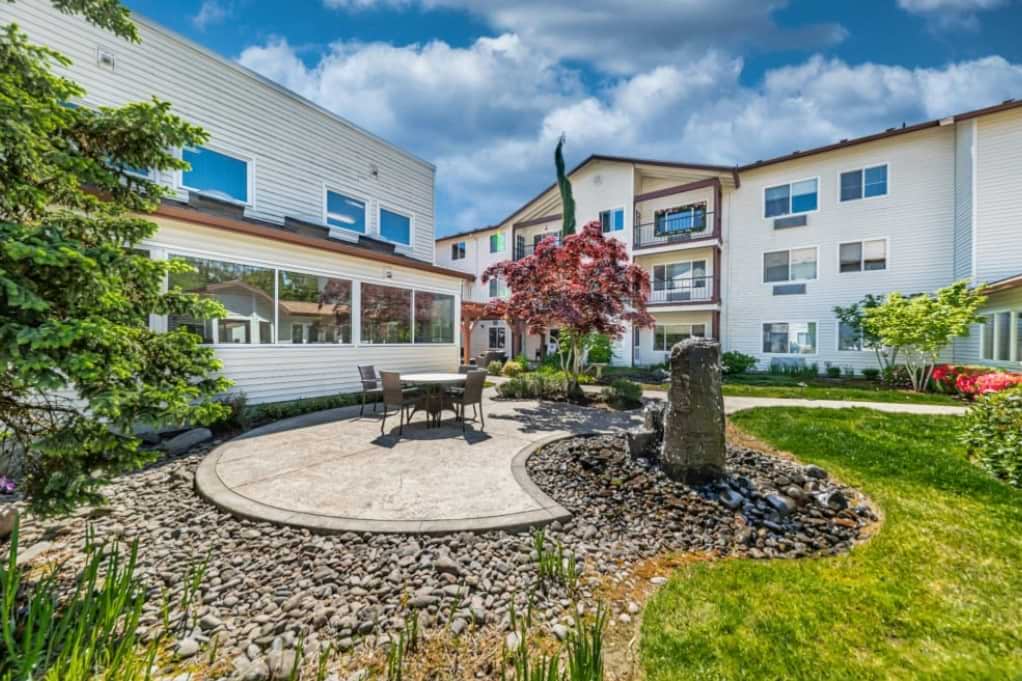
x: 789, y: 199
x: 458, y: 250
x: 798, y: 264
x: 667, y: 336
x: 498, y: 337
x: 497, y: 242
x: 246, y: 291
x: 395, y: 227
x: 495, y: 287
x: 679, y: 281
x: 386, y: 314
x: 863, y: 256
x: 987, y: 336
x: 848, y: 338
x: 789, y: 338
x: 216, y: 174
x: 690, y: 218
x: 1002, y: 329
x: 345, y: 212
x: 313, y: 309
x: 864, y: 183
x: 612, y: 220
x: 434, y: 317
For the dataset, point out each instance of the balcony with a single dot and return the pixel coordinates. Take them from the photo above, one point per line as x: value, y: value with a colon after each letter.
x: 693, y: 291
x: 525, y: 250
x: 676, y: 229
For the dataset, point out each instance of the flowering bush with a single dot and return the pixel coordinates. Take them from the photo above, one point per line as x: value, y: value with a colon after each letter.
x: 995, y: 383
x: 993, y: 433
x: 972, y: 381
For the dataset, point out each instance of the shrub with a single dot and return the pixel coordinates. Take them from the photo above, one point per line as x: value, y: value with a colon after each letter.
x: 512, y: 368
x: 871, y: 374
x: 897, y: 377
x: 796, y: 370
x: 494, y: 368
x: 523, y: 360
x: 542, y: 386
x: 598, y: 345
x: 834, y: 372
x: 735, y: 362
x: 623, y: 394
x: 972, y: 381
x: 992, y: 433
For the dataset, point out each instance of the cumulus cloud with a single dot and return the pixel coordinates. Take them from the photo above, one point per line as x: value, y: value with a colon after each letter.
x: 210, y: 13
x: 948, y: 14
x: 489, y: 114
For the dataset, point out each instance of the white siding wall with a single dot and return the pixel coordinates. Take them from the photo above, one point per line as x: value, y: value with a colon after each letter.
x: 964, y: 150
x: 296, y: 147
x: 477, y: 259
x: 998, y: 229
x: 268, y: 373
x: 917, y: 216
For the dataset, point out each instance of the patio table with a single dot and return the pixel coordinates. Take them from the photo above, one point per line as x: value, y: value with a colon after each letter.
x: 433, y: 401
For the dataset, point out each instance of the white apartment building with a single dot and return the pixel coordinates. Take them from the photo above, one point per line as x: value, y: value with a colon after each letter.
x: 316, y: 235
x: 758, y: 255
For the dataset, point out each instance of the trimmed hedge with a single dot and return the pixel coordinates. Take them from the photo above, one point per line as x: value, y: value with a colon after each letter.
x: 993, y: 434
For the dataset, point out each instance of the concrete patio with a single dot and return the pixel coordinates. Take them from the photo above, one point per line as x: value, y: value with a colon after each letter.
x: 332, y: 471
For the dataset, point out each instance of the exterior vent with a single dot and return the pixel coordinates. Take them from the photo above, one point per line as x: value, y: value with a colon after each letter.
x: 789, y: 290
x: 105, y: 59
x: 789, y: 222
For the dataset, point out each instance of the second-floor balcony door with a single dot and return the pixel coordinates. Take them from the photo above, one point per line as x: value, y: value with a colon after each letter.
x: 680, y: 282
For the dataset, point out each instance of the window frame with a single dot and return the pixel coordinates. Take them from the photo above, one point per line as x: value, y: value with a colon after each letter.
x: 789, y: 280
x: 862, y: 260
x: 502, y: 332
x: 250, y: 173
x: 380, y: 207
x: 501, y: 241
x: 459, y: 247
x: 790, y: 213
x: 707, y: 330
x: 1014, y: 335
x: 789, y: 322
x: 862, y: 183
x: 611, y: 212
x: 327, y: 188
x: 837, y: 339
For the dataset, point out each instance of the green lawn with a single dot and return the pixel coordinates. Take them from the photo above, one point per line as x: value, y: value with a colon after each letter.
x: 816, y: 391
x: 937, y: 593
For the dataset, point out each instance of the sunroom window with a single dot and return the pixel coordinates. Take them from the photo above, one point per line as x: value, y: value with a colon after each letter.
x: 313, y: 309
x: 216, y: 174
x: 245, y: 290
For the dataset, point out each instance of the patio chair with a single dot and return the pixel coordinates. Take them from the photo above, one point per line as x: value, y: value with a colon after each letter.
x: 472, y: 394
x: 396, y: 396
x: 370, y: 384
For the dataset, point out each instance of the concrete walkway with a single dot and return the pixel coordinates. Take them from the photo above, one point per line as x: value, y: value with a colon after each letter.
x: 332, y: 471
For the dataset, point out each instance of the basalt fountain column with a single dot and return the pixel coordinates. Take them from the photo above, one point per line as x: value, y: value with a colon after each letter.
x: 693, y: 445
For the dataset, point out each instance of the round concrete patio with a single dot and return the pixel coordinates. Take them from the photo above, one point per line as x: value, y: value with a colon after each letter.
x: 332, y: 471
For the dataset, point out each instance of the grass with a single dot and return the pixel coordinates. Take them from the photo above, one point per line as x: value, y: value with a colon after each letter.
x: 937, y: 593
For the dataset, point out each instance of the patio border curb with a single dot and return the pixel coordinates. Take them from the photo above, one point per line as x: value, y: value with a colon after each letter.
x: 209, y: 485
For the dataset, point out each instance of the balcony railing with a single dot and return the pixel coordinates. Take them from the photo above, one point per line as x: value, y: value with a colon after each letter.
x: 683, y: 291
x: 675, y: 229
x: 525, y: 250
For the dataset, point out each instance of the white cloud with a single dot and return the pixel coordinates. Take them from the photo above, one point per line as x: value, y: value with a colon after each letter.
x: 211, y: 12
x: 950, y: 14
x: 624, y: 38
x: 489, y: 114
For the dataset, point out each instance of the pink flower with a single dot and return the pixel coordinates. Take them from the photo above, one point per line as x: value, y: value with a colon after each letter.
x: 996, y: 382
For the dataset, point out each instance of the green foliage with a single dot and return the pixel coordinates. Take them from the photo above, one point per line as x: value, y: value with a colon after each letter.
x: 854, y: 316
x: 801, y: 371
x: 623, y: 394
x: 522, y: 359
x: 833, y: 372
x: 275, y: 411
x: 585, y: 649
x: 564, y: 186
x: 871, y: 373
x: 597, y: 348
x: 920, y: 327
x: 992, y: 433
x: 554, y: 565
x: 80, y: 365
x: 536, y: 386
x: 734, y: 362
x: 495, y: 367
x: 512, y: 368
x: 90, y: 633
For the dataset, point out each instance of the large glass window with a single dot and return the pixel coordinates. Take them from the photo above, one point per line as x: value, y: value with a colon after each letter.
x: 344, y: 212
x: 313, y: 309
x: 789, y: 199
x: 612, y: 220
x: 395, y: 227
x: 680, y: 280
x: 789, y: 338
x: 498, y: 338
x: 798, y: 264
x: 864, y: 183
x: 434, y: 317
x: 386, y: 314
x: 216, y: 174
x: 246, y: 291
x: 667, y: 336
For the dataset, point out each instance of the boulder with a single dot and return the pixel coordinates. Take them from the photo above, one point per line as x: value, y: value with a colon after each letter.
x: 693, y: 450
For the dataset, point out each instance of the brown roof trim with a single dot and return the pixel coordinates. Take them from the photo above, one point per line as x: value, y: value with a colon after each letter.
x: 467, y: 232
x: 678, y: 189
x: 266, y: 232
x: 1005, y: 284
x: 890, y: 132
x: 538, y: 221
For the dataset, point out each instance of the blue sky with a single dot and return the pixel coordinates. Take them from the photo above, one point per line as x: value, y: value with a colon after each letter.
x: 484, y: 88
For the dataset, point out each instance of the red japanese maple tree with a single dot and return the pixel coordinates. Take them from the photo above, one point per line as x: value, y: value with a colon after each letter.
x: 584, y: 284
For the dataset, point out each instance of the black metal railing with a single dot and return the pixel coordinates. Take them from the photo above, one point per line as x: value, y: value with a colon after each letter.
x: 674, y: 229
x: 525, y: 250
x: 681, y: 291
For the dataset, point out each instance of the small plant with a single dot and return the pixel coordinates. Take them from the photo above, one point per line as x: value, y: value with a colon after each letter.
x: 734, y: 362
x: 556, y: 565
x: 585, y: 650
x: 871, y: 374
x: 597, y: 348
x: 992, y: 432
x: 623, y: 394
x: 834, y: 372
x: 494, y: 368
x: 803, y: 371
x: 512, y: 368
x: 537, y: 385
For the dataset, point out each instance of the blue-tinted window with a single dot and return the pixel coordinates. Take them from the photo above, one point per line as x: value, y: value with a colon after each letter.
x: 777, y: 201
x: 851, y: 185
x: 345, y: 213
x: 875, y: 181
x: 788, y: 199
x: 215, y: 173
x: 612, y: 220
x: 803, y: 196
x: 395, y: 227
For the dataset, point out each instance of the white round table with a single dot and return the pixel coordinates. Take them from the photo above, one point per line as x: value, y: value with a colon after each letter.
x: 434, y: 383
